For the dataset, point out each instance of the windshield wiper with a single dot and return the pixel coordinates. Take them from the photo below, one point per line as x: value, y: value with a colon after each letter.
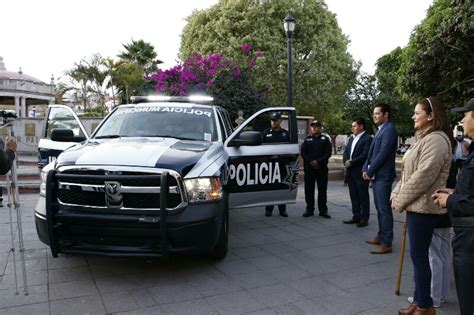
x: 108, y: 137
x: 171, y: 136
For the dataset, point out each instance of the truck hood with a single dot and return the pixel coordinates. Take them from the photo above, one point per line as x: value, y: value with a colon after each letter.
x: 168, y: 153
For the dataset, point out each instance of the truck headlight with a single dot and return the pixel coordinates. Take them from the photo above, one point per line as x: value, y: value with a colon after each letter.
x: 43, y: 183
x: 203, y: 189
x: 44, y: 175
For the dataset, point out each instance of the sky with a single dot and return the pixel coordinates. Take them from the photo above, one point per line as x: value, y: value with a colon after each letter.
x: 47, y: 37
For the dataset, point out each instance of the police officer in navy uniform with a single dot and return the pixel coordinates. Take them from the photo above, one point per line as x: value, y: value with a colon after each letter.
x: 276, y: 134
x: 316, y: 151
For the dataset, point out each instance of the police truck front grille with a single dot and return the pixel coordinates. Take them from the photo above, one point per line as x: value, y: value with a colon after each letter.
x: 76, y: 197
x: 116, y: 190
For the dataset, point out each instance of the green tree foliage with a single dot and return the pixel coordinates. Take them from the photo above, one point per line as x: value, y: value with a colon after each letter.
x: 85, y: 80
x: 129, y: 80
x: 141, y: 53
x: 236, y: 93
x: 387, y: 71
x: 323, y: 69
x: 438, y: 58
x: 337, y: 124
x: 360, y: 100
x: 93, y: 112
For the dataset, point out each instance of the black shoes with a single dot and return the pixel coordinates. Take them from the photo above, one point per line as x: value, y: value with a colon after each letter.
x: 311, y: 213
x: 282, y: 214
x: 359, y: 223
x: 351, y: 221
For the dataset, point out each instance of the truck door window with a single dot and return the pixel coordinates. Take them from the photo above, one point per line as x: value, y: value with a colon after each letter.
x: 62, y: 118
x: 263, y: 124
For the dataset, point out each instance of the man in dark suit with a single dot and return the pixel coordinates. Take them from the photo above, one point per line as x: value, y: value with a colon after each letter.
x: 354, y: 157
x: 380, y: 168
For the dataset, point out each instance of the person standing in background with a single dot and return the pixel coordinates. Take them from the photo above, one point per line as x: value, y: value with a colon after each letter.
x: 7, y: 155
x: 425, y: 168
x: 354, y: 157
x: 316, y: 151
x: 440, y: 260
x: 460, y: 205
x: 380, y: 168
x: 276, y: 134
x: 462, y: 150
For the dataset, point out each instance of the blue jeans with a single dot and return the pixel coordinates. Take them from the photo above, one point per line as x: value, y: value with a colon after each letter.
x: 382, y: 190
x: 420, y: 232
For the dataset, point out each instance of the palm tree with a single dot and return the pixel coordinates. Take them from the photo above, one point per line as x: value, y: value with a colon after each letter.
x: 78, y: 79
x: 96, y: 74
x: 141, y: 53
x: 128, y: 77
x: 86, y: 78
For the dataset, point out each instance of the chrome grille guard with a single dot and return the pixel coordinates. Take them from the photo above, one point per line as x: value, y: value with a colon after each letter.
x: 107, y: 180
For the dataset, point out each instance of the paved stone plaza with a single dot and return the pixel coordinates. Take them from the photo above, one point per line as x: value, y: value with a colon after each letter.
x: 275, y: 265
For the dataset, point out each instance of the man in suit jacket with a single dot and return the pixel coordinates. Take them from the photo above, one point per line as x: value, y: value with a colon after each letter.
x: 354, y: 157
x: 380, y: 168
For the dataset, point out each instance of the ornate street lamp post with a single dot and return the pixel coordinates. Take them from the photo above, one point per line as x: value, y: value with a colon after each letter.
x: 289, y: 25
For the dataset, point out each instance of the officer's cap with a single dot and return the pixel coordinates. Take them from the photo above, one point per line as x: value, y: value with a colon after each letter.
x: 276, y: 116
x: 316, y: 123
x: 469, y: 107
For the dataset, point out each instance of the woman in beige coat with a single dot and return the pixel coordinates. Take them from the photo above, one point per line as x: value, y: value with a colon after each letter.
x: 425, y: 168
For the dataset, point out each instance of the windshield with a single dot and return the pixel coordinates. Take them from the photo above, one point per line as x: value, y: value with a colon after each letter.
x: 181, y: 122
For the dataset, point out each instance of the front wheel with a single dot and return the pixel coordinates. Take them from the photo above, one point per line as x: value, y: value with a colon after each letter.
x: 220, y: 250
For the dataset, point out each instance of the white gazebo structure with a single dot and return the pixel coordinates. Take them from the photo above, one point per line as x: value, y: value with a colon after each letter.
x: 23, y: 91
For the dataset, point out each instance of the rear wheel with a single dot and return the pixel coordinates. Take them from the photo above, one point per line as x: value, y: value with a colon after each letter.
x: 220, y: 250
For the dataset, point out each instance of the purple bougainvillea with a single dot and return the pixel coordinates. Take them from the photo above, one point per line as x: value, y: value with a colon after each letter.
x: 202, y: 72
x: 246, y: 48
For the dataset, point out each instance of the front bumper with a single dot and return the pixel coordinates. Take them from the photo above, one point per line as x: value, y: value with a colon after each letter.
x: 194, y: 229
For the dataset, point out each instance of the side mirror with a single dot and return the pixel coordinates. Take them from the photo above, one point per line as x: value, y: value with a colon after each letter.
x: 247, y: 138
x: 65, y: 135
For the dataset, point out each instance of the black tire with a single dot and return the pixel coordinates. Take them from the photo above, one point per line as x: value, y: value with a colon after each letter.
x: 220, y: 250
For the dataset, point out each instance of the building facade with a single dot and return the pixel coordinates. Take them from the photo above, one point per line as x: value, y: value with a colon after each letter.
x: 24, y: 94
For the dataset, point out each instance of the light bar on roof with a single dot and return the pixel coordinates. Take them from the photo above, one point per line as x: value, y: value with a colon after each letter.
x: 158, y: 98
x: 150, y: 98
x: 200, y: 98
x: 164, y: 98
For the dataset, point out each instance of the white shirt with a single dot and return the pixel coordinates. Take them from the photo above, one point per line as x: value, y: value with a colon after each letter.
x: 354, y: 142
x: 380, y: 127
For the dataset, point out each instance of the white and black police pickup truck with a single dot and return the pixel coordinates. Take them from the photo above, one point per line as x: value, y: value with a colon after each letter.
x: 157, y: 177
